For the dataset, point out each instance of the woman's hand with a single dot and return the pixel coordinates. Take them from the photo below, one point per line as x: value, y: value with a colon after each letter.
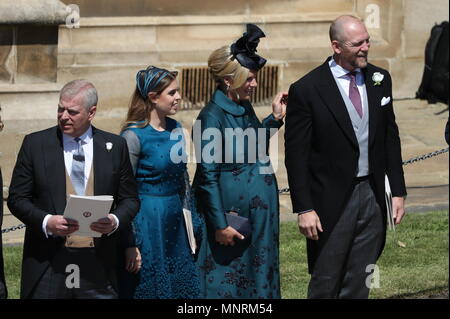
x: 225, y: 236
x: 279, y: 104
x: 133, y: 260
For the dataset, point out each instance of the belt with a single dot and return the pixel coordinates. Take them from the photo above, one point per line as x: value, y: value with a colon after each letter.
x: 74, y: 241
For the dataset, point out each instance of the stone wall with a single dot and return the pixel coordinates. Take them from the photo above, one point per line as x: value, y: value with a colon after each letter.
x: 120, y: 8
x: 28, y: 57
x: 419, y: 18
x: 28, y: 54
x: 117, y: 38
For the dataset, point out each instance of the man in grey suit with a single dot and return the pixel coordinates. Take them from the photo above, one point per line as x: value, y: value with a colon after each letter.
x: 341, y: 139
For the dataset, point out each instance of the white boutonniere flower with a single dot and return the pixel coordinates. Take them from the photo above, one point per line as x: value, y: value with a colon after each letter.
x: 109, y: 146
x: 377, y: 77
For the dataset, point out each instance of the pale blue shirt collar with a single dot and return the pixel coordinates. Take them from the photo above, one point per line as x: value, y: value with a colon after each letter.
x: 338, y: 71
x: 85, y: 138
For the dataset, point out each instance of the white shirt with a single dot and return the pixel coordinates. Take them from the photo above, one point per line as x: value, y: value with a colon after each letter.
x: 340, y: 74
x: 70, y: 146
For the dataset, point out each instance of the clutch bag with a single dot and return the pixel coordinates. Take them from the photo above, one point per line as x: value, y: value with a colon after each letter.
x: 224, y: 255
x: 241, y: 224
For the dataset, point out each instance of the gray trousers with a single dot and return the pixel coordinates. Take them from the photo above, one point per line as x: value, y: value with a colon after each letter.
x: 93, y: 283
x: 341, y: 268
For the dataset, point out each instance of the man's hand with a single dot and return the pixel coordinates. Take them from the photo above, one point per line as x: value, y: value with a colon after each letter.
x: 133, y: 260
x: 309, y: 224
x: 104, y: 225
x: 398, y: 209
x: 60, y: 226
x: 225, y: 236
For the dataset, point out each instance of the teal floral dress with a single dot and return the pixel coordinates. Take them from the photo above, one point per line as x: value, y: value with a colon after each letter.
x: 168, y: 267
x: 228, y: 177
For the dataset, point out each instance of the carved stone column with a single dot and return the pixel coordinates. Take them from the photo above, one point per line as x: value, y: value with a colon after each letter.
x: 29, y: 39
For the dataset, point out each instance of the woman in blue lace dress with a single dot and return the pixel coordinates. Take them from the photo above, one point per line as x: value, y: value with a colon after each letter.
x: 168, y: 268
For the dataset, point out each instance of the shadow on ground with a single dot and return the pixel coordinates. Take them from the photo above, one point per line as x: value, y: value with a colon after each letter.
x: 434, y: 293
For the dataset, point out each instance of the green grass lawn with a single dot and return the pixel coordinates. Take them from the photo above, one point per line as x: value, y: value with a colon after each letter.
x: 12, y: 256
x: 417, y: 270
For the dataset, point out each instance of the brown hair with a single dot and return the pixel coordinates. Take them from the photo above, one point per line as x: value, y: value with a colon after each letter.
x: 138, y: 114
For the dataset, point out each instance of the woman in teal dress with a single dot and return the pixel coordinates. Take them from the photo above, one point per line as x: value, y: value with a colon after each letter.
x: 168, y: 267
x: 229, y: 178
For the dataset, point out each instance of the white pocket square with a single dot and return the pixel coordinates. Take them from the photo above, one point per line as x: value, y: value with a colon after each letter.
x: 385, y: 100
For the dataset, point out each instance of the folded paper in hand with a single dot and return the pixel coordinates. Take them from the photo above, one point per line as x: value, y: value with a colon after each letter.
x: 388, y: 198
x: 87, y: 210
x: 190, y: 229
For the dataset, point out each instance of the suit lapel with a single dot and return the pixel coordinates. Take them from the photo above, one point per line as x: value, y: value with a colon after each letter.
x: 330, y: 94
x: 102, y: 165
x: 372, y: 98
x: 53, y: 153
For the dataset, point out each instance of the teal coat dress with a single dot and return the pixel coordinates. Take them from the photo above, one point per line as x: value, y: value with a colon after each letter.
x: 237, y: 182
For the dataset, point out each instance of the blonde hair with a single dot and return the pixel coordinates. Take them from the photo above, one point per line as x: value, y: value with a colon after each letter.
x: 221, y: 64
x: 138, y: 114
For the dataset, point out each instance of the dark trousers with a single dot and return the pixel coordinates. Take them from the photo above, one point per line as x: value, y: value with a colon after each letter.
x: 347, y: 258
x: 60, y: 281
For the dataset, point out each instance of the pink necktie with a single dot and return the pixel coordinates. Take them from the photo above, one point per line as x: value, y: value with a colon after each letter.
x: 353, y: 94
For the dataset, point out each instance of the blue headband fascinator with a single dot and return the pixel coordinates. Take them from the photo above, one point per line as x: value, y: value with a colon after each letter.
x: 244, y: 49
x: 147, y: 80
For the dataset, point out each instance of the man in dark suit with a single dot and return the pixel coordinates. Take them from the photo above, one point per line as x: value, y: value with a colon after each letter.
x: 341, y: 139
x: 71, y: 158
x: 3, y: 290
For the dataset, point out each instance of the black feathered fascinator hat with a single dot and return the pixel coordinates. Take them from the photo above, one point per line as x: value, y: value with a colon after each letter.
x: 244, y: 49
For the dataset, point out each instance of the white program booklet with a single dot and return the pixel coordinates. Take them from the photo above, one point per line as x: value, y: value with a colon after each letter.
x: 388, y: 198
x: 86, y: 210
x: 189, y: 229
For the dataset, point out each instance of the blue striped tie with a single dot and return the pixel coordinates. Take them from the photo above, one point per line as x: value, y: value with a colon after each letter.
x: 77, y: 175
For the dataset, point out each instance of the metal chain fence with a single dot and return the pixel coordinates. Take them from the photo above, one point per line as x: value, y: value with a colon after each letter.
x: 286, y: 190
x: 426, y: 156
x: 410, y: 161
x: 13, y: 228
x: 404, y: 163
